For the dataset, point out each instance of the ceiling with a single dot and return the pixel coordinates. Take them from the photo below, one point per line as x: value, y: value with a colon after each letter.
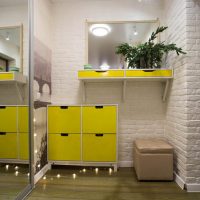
x: 5, y: 3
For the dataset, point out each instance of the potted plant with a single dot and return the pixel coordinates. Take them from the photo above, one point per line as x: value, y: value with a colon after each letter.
x: 149, y: 54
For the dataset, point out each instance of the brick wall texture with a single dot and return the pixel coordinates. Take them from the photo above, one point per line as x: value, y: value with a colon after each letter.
x: 182, y: 127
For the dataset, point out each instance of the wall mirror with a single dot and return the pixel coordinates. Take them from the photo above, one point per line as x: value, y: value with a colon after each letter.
x: 14, y: 107
x: 103, y: 37
x: 11, y: 48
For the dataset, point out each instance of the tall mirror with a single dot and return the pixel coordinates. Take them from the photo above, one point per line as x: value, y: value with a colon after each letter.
x: 14, y: 127
x: 104, y: 37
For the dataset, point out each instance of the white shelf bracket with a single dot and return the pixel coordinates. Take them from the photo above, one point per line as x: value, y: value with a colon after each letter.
x: 165, y: 91
x: 83, y: 91
x: 123, y: 90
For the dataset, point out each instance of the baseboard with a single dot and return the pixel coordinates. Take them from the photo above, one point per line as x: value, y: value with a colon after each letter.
x: 41, y: 173
x: 125, y: 163
x: 179, y: 181
x: 193, y: 187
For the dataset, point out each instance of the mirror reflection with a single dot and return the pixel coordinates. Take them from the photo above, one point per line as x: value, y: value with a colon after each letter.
x: 104, y: 38
x: 14, y: 127
x: 10, y: 48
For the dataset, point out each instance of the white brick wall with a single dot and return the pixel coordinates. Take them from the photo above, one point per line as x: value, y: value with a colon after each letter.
x: 183, y: 119
x: 193, y: 92
x: 143, y: 112
x: 176, y: 115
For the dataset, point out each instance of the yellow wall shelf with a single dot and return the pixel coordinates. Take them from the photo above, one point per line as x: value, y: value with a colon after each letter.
x: 161, y: 75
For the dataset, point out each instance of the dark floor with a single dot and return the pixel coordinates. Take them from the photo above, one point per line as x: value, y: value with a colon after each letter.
x: 91, y: 185
x: 11, y: 182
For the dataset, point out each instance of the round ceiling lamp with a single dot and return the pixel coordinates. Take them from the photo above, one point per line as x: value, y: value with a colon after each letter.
x: 100, y: 30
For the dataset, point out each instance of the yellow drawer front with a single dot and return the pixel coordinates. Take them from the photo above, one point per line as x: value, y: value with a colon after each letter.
x: 99, y: 147
x: 99, y: 119
x: 141, y: 73
x: 6, y: 76
x: 23, y: 146
x: 64, y: 147
x: 23, y: 119
x: 8, y: 119
x: 8, y: 145
x: 101, y: 74
x: 64, y: 119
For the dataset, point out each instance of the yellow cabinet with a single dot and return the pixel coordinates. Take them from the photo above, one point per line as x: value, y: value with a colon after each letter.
x: 99, y: 119
x: 8, y: 119
x: 91, y: 74
x: 64, y: 146
x: 23, y: 119
x: 99, y: 147
x: 8, y: 145
x: 64, y: 119
x: 23, y: 146
x: 149, y: 73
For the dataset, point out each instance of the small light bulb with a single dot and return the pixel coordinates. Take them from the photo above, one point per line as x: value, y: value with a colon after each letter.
x: 84, y: 170
x: 35, y: 134
x: 135, y: 33
x: 16, y: 173
x: 38, y: 165
x: 96, y: 170
x: 110, y: 171
x: 74, y: 176
x: 7, y: 167
x: 44, y: 178
x: 58, y: 176
x: 34, y: 120
x: 36, y: 151
x: 28, y: 174
x: 16, y: 168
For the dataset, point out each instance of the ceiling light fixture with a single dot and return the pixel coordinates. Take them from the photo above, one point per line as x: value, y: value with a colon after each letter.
x: 135, y: 31
x: 100, y: 30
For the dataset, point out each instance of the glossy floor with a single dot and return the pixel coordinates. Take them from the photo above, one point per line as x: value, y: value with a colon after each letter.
x: 101, y: 184
x: 13, y: 179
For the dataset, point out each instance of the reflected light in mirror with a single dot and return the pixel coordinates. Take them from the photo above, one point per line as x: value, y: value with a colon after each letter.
x: 100, y: 30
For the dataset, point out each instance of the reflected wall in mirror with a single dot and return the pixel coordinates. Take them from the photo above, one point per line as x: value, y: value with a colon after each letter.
x: 11, y: 48
x: 14, y: 127
x: 104, y: 37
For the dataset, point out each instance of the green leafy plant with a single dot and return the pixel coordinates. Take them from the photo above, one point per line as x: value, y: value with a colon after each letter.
x: 149, y: 54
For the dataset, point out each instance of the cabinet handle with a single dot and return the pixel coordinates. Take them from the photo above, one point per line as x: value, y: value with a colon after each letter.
x: 64, y: 134
x: 100, y: 71
x: 2, y: 107
x: 63, y: 107
x: 99, y: 107
x: 148, y: 70
x: 99, y: 135
x: 2, y: 133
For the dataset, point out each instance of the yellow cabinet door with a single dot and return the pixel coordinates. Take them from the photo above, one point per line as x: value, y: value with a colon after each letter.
x: 23, y: 146
x: 100, y: 74
x: 99, y: 119
x: 99, y: 147
x: 149, y: 73
x: 8, y: 119
x: 64, y: 119
x: 64, y: 147
x: 23, y: 119
x: 8, y: 145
